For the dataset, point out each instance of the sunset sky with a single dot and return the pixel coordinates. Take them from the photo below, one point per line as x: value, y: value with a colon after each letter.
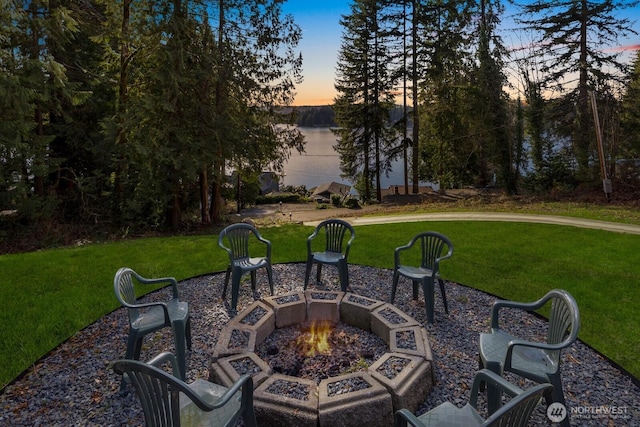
x: 321, y: 37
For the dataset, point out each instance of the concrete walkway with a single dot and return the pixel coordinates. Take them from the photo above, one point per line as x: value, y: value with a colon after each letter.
x: 490, y: 216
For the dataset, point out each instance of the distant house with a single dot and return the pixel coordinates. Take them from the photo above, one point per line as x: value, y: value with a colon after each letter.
x: 323, y: 192
x: 268, y: 182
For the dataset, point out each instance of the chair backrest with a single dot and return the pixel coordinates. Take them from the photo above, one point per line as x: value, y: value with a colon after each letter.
x: 125, y: 290
x: 564, y: 320
x: 433, y: 245
x: 235, y: 240
x: 517, y: 411
x: 335, y: 231
x: 159, y: 392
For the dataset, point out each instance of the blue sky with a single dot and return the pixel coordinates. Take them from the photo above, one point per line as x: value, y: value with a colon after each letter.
x: 321, y: 37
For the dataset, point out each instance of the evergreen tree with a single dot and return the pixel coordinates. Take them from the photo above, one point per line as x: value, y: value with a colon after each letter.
x: 37, y: 90
x: 257, y: 68
x: 444, y: 147
x: 365, y: 97
x: 630, y: 140
x: 195, y: 99
x: 572, y: 34
x: 490, y: 101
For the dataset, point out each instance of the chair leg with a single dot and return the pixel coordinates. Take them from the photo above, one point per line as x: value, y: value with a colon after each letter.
x: 307, y: 272
x: 248, y: 414
x: 270, y: 277
x: 344, y: 276
x: 394, y: 284
x: 494, y: 395
x: 132, y: 342
x: 189, y: 342
x: 235, y: 289
x: 226, y: 282
x: 252, y: 273
x: 428, y: 291
x: 415, y: 290
x: 134, y: 346
x: 137, y: 348
x: 557, y: 396
x: 179, y: 334
x: 319, y: 272
x: 444, y: 296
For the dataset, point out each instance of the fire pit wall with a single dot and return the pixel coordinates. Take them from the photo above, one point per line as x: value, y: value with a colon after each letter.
x: 401, y: 378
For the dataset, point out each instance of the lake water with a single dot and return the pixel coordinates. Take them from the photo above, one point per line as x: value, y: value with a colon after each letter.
x: 321, y: 163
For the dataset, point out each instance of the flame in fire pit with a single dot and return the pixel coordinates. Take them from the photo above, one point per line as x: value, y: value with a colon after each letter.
x: 316, y: 339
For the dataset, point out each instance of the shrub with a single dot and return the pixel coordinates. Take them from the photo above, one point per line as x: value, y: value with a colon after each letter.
x: 271, y: 199
x: 351, y: 203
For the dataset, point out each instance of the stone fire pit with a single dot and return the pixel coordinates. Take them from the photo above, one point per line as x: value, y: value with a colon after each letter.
x: 401, y: 378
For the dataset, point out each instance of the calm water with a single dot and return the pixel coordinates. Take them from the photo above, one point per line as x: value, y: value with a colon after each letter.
x: 321, y: 164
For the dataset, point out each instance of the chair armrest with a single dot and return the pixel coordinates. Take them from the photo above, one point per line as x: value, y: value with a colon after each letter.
x: 266, y: 242
x: 310, y: 239
x: 149, y: 305
x: 493, y: 379
x: 157, y: 281
x: 404, y: 417
x: 445, y: 256
x: 165, y: 357
x: 244, y: 383
x: 399, y: 249
x: 346, y: 251
x: 498, y: 305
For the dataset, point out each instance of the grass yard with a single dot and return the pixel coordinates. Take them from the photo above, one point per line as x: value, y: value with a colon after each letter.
x: 54, y: 293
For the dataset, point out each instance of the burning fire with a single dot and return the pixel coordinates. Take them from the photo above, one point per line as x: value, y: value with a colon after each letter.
x: 316, y: 340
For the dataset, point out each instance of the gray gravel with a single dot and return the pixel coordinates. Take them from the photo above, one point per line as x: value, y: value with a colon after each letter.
x: 73, y: 385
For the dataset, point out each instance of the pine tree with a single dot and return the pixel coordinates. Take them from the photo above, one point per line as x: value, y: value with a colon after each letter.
x: 257, y: 68
x: 37, y: 90
x: 631, y: 112
x: 445, y: 58
x: 571, y: 36
x: 364, y: 83
x: 490, y: 101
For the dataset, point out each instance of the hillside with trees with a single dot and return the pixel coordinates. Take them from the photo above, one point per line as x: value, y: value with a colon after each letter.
x: 137, y: 115
x: 520, y: 118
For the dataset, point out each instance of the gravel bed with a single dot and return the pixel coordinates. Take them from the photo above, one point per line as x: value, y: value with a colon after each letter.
x: 347, y: 385
x: 393, y: 366
x: 74, y: 384
x: 292, y: 389
x: 254, y: 316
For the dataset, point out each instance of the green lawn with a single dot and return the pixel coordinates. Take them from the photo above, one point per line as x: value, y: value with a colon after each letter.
x: 54, y: 293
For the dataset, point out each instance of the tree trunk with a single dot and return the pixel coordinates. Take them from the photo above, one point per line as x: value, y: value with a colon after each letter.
x: 414, y: 90
x: 205, y: 216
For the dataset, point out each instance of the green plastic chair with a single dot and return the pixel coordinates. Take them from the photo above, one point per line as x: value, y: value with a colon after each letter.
x: 235, y: 240
x: 432, y: 246
x: 515, y: 413
x: 335, y: 250
x: 168, y: 401
x: 537, y: 361
x: 145, y: 318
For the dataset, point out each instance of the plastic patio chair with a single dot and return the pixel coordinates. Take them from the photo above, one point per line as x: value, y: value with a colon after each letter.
x: 515, y: 413
x: 537, y: 361
x: 335, y: 250
x: 145, y: 318
x: 168, y: 401
x: 432, y: 245
x: 235, y: 240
